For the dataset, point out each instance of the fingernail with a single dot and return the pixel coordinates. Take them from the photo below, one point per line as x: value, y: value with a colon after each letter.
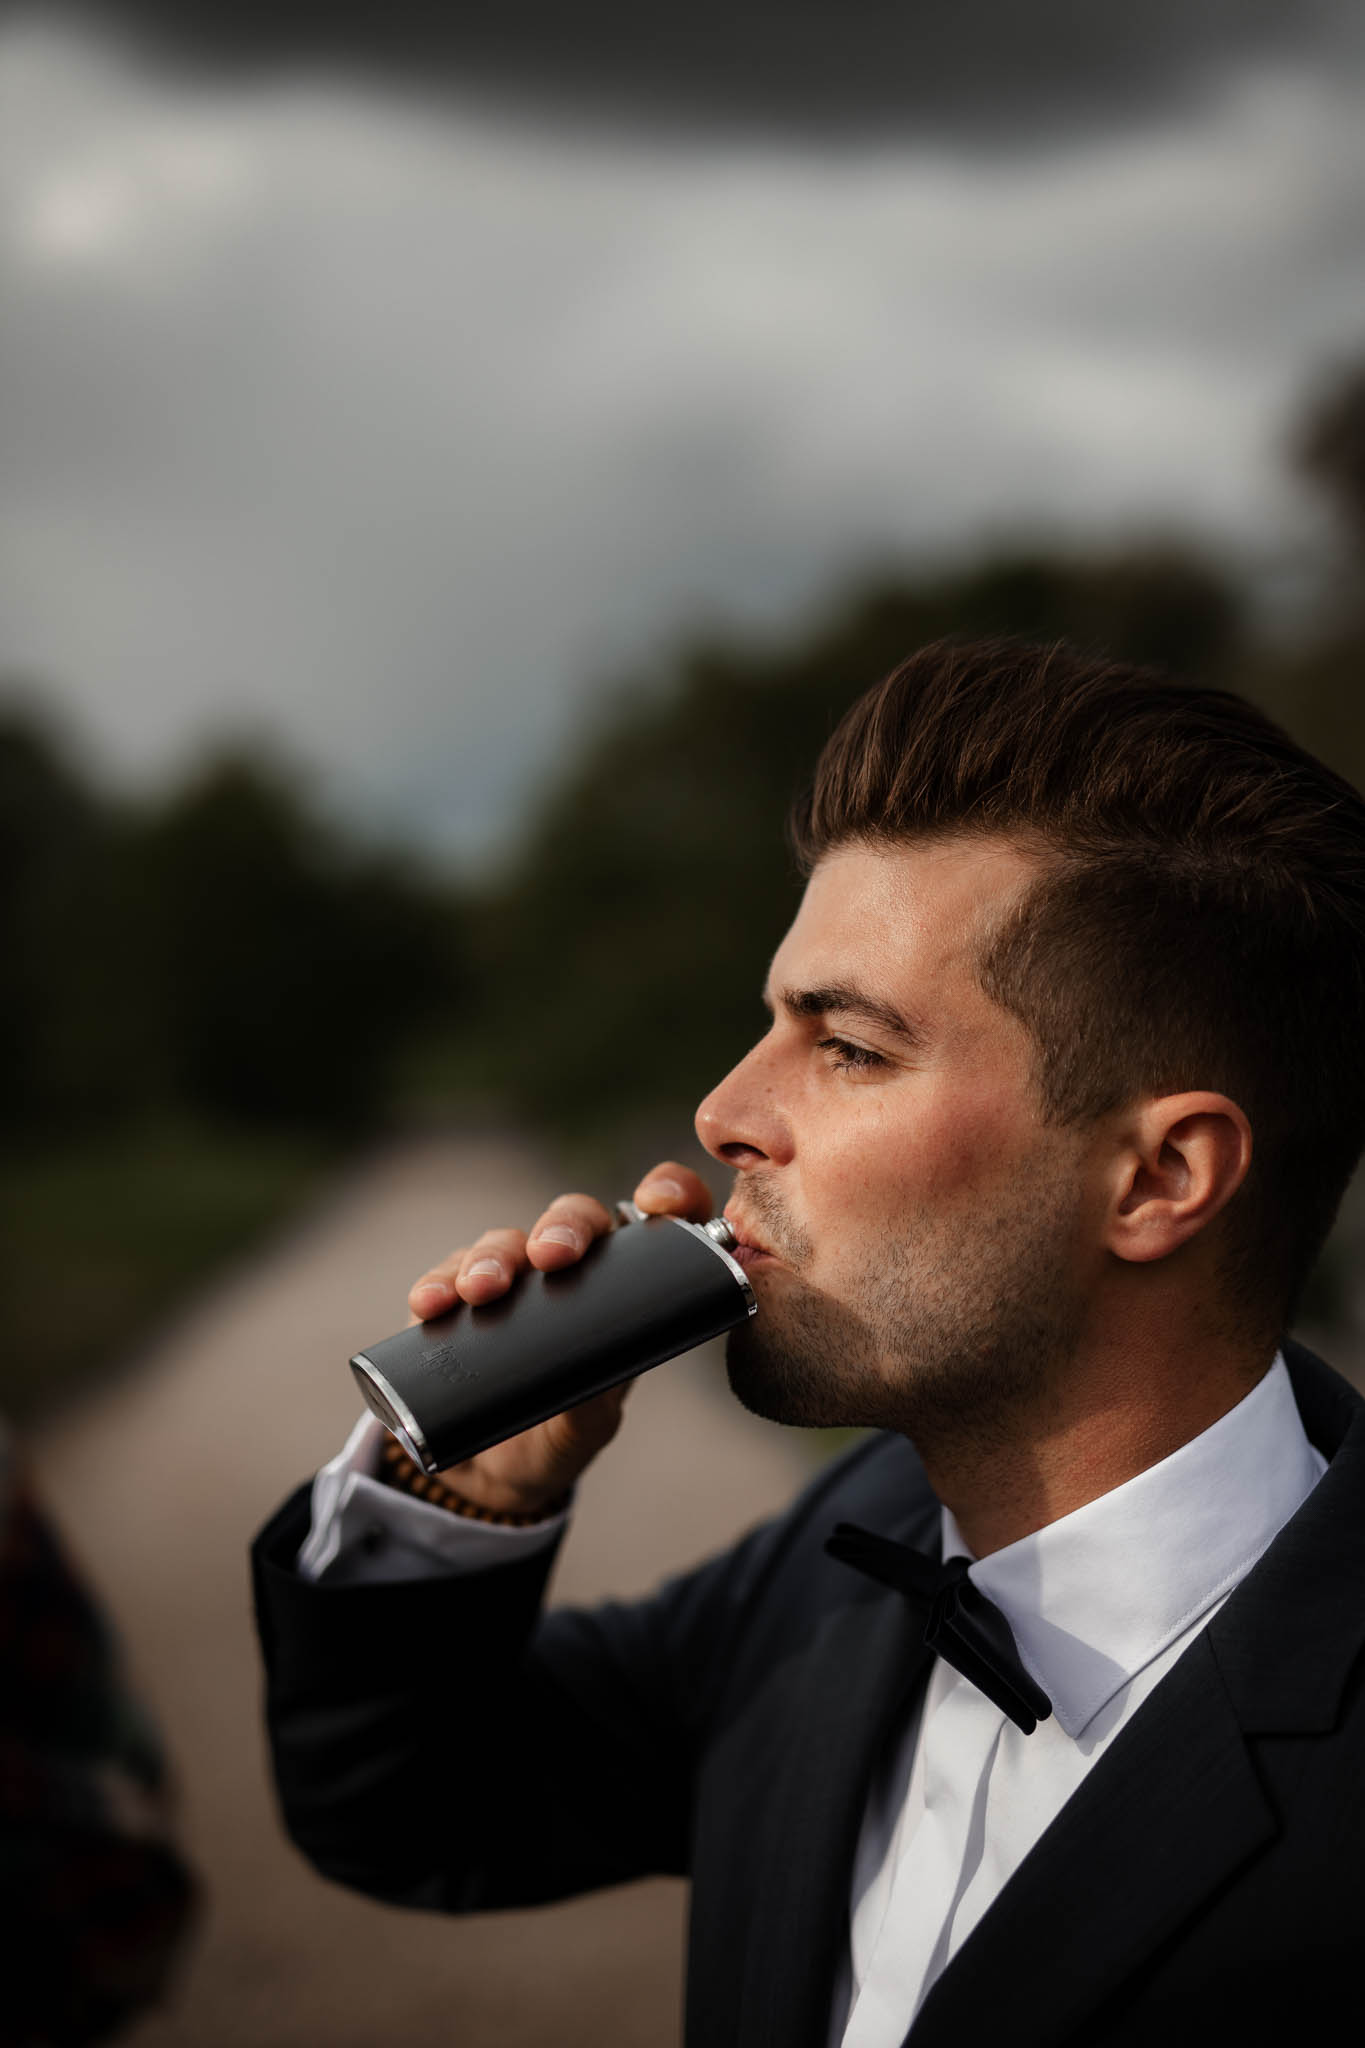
x: 561, y: 1233
x: 663, y: 1190
x: 484, y: 1266
x: 431, y: 1294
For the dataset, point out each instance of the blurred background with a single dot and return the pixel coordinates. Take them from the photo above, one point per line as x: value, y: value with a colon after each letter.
x: 455, y: 467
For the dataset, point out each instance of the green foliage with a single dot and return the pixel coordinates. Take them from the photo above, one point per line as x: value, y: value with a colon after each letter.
x: 288, y: 969
x: 55, y: 844
x: 102, y: 1235
x: 197, y: 1001
x: 221, y: 954
x: 1329, y: 447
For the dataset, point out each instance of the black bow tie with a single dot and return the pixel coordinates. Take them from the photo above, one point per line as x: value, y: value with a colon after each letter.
x: 963, y: 1626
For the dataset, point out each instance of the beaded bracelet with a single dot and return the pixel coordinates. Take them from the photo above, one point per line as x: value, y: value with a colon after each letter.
x: 396, y: 1468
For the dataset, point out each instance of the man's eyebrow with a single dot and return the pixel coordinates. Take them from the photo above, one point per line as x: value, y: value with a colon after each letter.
x: 840, y: 1000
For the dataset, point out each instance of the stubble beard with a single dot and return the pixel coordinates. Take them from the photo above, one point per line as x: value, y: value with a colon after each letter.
x: 958, y: 1336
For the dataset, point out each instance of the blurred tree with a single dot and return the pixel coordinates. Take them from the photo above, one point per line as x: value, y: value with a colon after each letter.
x: 46, y: 821
x: 219, y: 958
x: 1329, y: 447
x: 221, y: 954
x: 1317, y: 685
x: 285, y: 968
x: 67, y: 1030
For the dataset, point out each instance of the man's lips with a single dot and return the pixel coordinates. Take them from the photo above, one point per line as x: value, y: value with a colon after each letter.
x: 748, y: 1250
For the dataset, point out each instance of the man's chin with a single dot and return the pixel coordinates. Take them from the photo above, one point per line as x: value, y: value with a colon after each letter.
x: 785, y: 1382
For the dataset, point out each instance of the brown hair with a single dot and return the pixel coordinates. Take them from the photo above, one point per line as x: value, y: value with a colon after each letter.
x: 1200, y: 922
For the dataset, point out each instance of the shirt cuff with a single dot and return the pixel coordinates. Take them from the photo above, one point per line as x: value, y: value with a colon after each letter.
x: 364, y: 1532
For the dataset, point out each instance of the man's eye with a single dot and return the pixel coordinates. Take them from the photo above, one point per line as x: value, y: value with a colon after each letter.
x: 844, y: 1055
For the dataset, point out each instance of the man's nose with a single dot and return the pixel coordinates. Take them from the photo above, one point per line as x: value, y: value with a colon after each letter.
x: 742, y: 1122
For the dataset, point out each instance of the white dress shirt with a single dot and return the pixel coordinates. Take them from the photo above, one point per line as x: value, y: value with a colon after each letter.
x: 1101, y: 1602
x: 365, y: 1530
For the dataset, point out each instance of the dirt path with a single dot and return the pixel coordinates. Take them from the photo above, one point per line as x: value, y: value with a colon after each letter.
x: 160, y: 1482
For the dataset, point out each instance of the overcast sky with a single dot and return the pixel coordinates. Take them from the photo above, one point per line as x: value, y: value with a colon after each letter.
x: 389, y: 429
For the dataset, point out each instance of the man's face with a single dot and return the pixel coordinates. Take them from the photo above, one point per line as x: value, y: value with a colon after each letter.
x: 913, y: 1230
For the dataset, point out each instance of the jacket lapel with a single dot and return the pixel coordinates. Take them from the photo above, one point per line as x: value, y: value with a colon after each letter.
x: 848, y: 1694
x: 1168, y: 1813
x: 1287, y: 1640
x: 1176, y: 1806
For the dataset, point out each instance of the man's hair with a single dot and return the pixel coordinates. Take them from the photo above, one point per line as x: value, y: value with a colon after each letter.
x: 1198, y: 920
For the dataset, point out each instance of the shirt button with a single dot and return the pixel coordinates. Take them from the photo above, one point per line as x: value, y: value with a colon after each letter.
x: 373, y: 1539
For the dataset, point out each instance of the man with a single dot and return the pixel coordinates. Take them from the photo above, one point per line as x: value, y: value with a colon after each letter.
x: 1062, y: 1089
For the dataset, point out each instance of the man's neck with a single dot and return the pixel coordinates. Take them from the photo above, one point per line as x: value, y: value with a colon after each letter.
x: 1111, y: 1420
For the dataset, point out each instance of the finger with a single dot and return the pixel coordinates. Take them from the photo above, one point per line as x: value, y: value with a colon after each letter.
x: 434, y: 1293
x: 673, y: 1190
x: 589, y: 1427
x: 564, y: 1232
x: 439, y: 1288
x: 491, y: 1265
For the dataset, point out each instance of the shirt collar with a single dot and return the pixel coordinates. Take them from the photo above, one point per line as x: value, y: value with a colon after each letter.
x: 1096, y: 1595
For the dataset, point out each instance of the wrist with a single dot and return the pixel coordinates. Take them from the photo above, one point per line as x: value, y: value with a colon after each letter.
x: 397, y: 1469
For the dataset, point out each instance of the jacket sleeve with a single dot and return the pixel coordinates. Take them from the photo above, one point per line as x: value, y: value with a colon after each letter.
x: 441, y: 1743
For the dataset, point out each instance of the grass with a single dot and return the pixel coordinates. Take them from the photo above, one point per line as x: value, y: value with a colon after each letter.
x: 102, y: 1237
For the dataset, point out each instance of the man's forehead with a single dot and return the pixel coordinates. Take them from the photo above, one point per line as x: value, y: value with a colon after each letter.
x: 900, y: 926
x: 934, y: 894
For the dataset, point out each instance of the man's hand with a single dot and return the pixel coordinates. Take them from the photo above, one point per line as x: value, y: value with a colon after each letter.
x: 523, y: 1475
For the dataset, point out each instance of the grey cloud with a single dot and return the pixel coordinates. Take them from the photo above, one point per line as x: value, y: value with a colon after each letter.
x: 834, y: 68
x: 389, y: 432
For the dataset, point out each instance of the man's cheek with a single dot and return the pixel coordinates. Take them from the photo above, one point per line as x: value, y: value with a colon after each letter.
x: 964, y: 1152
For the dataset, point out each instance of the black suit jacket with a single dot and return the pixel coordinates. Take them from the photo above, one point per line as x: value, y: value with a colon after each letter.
x: 443, y: 1744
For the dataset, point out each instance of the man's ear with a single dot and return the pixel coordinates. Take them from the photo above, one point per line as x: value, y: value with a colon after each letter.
x: 1180, y: 1160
